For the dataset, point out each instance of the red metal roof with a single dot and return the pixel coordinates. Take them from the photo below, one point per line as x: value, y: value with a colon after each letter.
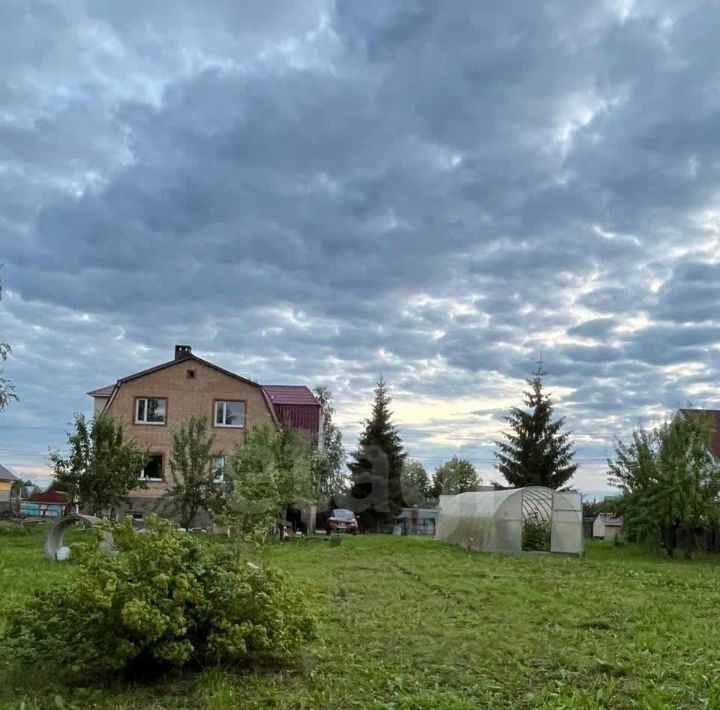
x: 49, y: 497
x: 290, y: 394
x: 102, y: 391
x: 7, y: 475
x: 295, y: 405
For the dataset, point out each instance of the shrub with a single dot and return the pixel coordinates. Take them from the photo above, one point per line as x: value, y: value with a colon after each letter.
x: 536, y: 533
x: 165, y: 600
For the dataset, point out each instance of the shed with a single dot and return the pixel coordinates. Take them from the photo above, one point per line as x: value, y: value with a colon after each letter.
x: 418, y: 521
x: 606, y: 527
x: 513, y: 520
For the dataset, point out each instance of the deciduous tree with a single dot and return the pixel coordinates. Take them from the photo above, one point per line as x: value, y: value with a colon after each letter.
x: 195, y: 484
x: 331, y: 459
x: 270, y: 469
x: 416, y: 487
x: 455, y: 476
x: 102, y: 466
x: 7, y: 388
x: 669, y: 482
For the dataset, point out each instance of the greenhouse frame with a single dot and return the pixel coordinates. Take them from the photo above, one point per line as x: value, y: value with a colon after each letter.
x: 513, y: 520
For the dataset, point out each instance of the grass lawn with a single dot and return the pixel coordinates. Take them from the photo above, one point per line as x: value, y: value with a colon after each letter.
x: 410, y: 623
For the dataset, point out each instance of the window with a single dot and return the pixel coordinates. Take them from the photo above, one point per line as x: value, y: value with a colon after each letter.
x: 150, y: 410
x: 217, y: 466
x: 153, y: 470
x: 136, y: 517
x: 190, y: 374
x: 230, y: 414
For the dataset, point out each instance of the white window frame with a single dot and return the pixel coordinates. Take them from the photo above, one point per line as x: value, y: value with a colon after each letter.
x: 218, y: 478
x: 143, y: 477
x: 223, y: 403
x: 144, y: 421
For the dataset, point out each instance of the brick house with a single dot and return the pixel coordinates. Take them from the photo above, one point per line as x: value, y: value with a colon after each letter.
x: 152, y: 404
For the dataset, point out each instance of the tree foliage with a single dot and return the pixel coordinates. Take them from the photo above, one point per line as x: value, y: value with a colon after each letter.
x: 163, y: 601
x: 377, y: 463
x: 416, y: 489
x: 7, y: 388
x: 102, y: 466
x: 669, y: 482
x: 455, y: 476
x: 535, y: 452
x: 194, y: 486
x: 331, y: 460
x: 270, y: 469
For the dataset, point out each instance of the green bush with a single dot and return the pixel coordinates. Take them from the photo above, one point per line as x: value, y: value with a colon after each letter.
x: 165, y: 600
x: 536, y: 533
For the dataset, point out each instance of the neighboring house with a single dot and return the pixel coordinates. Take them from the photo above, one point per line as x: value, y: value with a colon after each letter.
x: 152, y: 404
x: 7, y: 478
x: 606, y: 527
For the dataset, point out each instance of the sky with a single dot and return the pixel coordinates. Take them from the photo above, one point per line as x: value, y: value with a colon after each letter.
x: 316, y: 192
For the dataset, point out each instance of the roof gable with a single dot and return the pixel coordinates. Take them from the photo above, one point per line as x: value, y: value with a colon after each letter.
x: 290, y: 394
x: 102, y: 391
x: 184, y: 359
x: 7, y: 474
x: 188, y: 358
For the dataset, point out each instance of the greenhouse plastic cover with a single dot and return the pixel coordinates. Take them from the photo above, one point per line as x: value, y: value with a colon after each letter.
x: 492, y: 521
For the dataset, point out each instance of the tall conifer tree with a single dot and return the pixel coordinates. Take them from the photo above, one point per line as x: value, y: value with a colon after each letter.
x: 535, y: 452
x: 377, y: 464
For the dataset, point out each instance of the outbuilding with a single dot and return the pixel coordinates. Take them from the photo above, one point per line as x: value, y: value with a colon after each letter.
x: 7, y: 478
x: 606, y: 527
x: 513, y: 520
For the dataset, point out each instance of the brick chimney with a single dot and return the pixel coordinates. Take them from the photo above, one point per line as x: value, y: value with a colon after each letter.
x: 182, y: 351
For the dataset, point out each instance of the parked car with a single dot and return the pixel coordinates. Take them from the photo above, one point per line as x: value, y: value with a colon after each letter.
x: 342, y: 520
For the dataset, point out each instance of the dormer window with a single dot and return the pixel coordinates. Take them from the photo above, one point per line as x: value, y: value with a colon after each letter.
x: 150, y: 410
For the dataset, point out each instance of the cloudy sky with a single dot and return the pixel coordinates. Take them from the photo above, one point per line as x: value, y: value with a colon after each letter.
x: 321, y: 192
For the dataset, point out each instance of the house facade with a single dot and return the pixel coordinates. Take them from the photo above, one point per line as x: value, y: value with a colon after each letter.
x: 7, y: 478
x: 153, y: 404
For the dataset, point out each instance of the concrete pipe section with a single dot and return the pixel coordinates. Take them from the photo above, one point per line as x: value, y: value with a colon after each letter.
x: 54, y: 547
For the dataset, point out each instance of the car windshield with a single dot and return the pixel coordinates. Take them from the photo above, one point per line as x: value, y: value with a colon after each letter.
x: 343, y: 514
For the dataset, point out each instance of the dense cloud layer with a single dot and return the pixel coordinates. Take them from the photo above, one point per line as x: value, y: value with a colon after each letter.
x: 315, y: 192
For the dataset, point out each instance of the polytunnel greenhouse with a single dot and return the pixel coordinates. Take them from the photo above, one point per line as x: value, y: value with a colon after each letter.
x: 514, y: 520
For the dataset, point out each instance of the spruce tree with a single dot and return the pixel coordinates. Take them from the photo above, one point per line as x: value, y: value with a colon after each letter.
x: 376, y: 466
x: 536, y: 452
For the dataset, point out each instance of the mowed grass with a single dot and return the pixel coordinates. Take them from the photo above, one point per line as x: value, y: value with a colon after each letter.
x: 410, y: 623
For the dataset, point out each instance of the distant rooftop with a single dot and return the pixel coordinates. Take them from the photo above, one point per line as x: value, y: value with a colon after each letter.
x: 7, y: 474
x: 102, y: 391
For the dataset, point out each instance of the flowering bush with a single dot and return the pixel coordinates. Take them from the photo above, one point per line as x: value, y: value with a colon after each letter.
x: 163, y: 601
